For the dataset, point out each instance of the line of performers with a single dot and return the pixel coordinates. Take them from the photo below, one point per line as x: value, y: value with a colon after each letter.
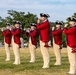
x: 43, y: 26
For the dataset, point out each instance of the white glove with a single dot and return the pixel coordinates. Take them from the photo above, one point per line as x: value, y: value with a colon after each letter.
x: 10, y: 29
x: 2, y: 30
x: 53, y: 28
x: 65, y: 25
x: 7, y: 27
x: 28, y: 31
x: 38, y: 21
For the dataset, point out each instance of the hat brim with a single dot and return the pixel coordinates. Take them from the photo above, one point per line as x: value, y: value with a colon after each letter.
x: 8, y: 24
x: 33, y: 25
x: 41, y: 15
x: 59, y: 23
x: 17, y: 23
x: 71, y: 19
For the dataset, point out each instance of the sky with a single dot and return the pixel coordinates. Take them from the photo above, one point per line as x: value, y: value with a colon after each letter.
x: 57, y: 9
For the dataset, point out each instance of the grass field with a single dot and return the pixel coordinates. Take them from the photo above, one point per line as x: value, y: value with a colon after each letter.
x: 26, y: 68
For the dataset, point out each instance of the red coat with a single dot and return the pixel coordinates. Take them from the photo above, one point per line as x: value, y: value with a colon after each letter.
x: 57, y: 36
x: 33, y: 35
x: 16, y: 33
x: 7, y: 34
x: 44, y: 29
x: 71, y: 36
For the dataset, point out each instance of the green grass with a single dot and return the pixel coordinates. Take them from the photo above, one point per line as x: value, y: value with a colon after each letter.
x: 26, y: 68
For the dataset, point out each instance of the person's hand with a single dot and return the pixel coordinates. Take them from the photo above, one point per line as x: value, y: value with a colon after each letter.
x: 53, y: 28
x: 38, y: 21
x: 28, y: 30
x: 65, y: 25
x: 2, y: 29
x: 10, y: 29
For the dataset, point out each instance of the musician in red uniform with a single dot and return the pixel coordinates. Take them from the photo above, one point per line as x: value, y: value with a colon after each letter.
x: 32, y: 34
x: 16, y: 43
x: 57, y: 41
x: 44, y: 29
x: 7, y: 40
x: 71, y: 43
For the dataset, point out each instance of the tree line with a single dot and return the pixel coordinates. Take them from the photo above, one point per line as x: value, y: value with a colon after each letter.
x: 26, y: 19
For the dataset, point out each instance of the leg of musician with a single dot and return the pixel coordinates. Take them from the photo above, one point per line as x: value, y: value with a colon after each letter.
x: 45, y: 54
x: 72, y: 60
x: 16, y: 51
x: 32, y: 50
x: 57, y: 52
x: 7, y: 49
